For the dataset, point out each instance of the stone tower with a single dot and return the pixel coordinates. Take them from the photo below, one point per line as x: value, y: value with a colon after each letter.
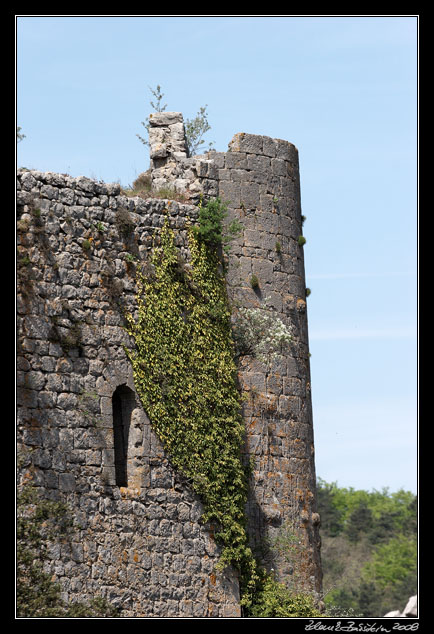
x: 138, y: 541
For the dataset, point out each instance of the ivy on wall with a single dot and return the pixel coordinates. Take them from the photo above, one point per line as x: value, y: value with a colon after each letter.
x: 186, y: 378
x: 185, y: 375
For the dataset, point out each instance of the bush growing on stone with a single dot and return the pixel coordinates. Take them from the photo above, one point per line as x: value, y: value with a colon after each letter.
x: 210, y: 228
x: 275, y: 600
x: 124, y: 222
x: 254, y: 281
x: 259, y: 333
x: 143, y: 182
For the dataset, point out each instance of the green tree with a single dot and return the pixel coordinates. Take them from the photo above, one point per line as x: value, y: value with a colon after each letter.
x: 360, y: 521
x: 210, y: 229
x: 369, y: 599
x: 391, y: 562
x: 156, y: 107
x: 331, y: 516
x: 195, y: 130
x: 368, y: 548
x: 276, y: 601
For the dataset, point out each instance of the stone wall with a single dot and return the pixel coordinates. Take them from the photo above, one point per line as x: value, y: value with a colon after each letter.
x: 141, y: 545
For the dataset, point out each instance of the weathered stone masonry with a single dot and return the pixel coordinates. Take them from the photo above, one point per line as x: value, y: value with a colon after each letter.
x: 139, y: 542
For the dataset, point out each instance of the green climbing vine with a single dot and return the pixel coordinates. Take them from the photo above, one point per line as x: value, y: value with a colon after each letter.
x: 185, y: 375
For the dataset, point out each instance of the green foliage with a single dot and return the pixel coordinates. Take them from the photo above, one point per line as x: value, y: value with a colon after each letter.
x: 259, y: 333
x: 369, y: 552
x: 99, y: 227
x: 195, y: 129
x: 391, y: 561
x: 185, y: 376
x: 301, y: 240
x: 156, y: 107
x: 158, y: 98
x: 254, y: 281
x: 274, y: 600
x: 41, y: 522
x: 359, y: 521
x: 24, y: 261
x: 401, y: 505
x: 210, y: 228
x: 98, y: 607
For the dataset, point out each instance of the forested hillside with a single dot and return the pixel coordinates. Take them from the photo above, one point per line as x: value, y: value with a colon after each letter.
x: 369, y: 549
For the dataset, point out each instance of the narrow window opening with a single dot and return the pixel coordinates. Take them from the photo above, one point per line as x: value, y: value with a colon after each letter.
x: 123, y: 402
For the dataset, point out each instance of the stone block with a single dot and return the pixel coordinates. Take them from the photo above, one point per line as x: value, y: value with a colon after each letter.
x: 236, y: 160
x: 230, y: 193
x: 158, y: 151
x: 263, y: 269
x: 249, y: 143
x: 258, y: 163
x: 249, y: 195
x: 165, y: 118
x: 286, y: 151
x: 66, y: 482
x: 279, y: 167
x: 269, y: 147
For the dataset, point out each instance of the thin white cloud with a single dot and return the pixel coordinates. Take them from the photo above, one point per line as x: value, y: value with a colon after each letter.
x: 362, y: 333
x: 341, y: 276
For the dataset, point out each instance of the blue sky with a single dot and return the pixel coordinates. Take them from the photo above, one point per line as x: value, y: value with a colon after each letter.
x: 344, y: 90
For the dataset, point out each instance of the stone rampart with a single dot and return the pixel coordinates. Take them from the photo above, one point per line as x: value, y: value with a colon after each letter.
x: 139, y: 545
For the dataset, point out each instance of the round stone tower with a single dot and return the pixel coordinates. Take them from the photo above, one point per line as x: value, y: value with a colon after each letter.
x: 260, y: 179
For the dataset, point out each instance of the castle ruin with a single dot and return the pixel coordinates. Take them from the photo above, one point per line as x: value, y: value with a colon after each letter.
x: 83, y: 435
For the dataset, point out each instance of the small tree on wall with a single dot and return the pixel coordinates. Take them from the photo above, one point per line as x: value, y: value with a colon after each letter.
x: 195, y: 128
x: 157, y: 107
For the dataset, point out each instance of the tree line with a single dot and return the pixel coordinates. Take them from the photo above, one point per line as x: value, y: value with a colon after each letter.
x: 369, y: 548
